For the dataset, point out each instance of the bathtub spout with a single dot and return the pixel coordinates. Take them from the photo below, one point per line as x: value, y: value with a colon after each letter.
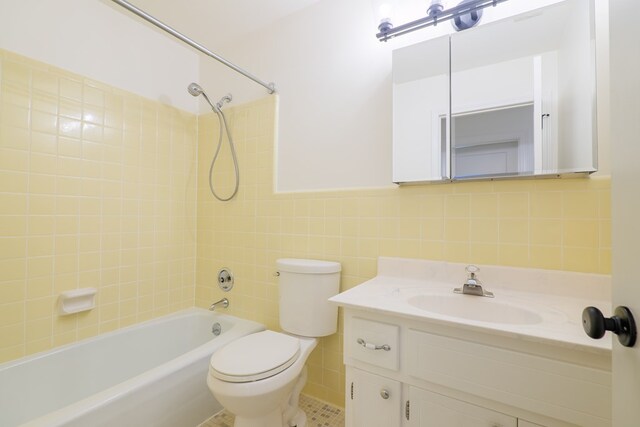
x: 224, y: 302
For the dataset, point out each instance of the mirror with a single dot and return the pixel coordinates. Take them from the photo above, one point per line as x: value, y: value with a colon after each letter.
x: 421, y: 111
x: 519, y: 105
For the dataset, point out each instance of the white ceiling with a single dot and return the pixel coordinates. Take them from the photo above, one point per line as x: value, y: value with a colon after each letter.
x: 215, y: 23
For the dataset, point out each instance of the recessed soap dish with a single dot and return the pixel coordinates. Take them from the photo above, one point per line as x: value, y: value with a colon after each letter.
x: 76, y: 301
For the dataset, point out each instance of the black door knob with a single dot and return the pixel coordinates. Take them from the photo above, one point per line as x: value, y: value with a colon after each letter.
x: 621, y: 324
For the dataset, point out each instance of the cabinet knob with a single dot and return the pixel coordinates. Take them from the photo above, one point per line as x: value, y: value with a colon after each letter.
x: 384, y: 394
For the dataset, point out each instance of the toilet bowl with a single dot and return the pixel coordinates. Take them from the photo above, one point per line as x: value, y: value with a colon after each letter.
x: 261, y: 394
x: 259, y: 377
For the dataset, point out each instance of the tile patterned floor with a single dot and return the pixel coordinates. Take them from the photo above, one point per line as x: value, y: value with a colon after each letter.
x: 319, y: 414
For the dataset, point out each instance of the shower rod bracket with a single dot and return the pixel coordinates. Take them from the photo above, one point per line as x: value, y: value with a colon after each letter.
x: 271, y: 87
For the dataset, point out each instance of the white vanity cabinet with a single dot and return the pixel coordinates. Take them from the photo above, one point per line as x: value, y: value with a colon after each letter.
x: 412, y: 373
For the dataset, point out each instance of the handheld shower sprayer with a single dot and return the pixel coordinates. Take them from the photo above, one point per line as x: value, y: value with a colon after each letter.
x: 196, y: 90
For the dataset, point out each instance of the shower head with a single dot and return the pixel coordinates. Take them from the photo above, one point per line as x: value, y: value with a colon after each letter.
x: 195, y: 89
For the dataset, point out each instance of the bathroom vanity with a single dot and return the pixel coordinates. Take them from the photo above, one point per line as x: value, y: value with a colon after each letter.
x: 418, y: 354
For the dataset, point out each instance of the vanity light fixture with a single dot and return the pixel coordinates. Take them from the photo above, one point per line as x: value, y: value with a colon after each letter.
x: 465, y: 15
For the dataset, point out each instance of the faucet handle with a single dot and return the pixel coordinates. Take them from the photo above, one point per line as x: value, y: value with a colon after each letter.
x: 472, y: 269
x: 472, y: 279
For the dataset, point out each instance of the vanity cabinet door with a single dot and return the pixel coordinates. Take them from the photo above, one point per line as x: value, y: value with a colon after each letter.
x: 372, y: 400
x: 430, y: 409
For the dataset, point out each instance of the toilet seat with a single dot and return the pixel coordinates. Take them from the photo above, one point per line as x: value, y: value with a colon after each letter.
x: 237, y: 361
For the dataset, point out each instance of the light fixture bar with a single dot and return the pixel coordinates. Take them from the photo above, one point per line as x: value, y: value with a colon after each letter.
x: 428, y: 21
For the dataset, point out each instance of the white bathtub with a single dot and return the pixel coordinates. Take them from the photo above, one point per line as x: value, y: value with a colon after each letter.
x: 151, y: 374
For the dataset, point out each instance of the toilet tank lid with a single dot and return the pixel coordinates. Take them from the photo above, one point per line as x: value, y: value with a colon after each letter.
x: 295, y: 265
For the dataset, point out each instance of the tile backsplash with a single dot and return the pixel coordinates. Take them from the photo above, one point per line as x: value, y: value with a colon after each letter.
x: 559, y: 224
x: 96, y: 190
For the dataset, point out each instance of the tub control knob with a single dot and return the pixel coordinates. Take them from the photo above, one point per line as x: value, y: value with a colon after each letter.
x: 385, y: 394
x: 621, y: 324
x: 225, y: 279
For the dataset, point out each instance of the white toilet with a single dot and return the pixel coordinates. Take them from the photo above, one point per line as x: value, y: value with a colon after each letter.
x: 259, y: 377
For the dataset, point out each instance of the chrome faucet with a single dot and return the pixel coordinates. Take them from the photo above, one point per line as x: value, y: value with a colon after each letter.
x: 224, y: 302
x: 473, y: 286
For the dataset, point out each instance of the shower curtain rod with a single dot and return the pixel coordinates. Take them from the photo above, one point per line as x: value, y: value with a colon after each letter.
x: 271, y: 87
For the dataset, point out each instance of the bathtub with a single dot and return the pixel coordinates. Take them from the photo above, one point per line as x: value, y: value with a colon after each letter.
x: 150, y: 374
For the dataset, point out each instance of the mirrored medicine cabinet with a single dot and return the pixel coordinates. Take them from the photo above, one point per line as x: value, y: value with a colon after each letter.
x: 512, y: 98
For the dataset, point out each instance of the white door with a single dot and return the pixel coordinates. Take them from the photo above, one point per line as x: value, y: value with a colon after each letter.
x: 625, y: 152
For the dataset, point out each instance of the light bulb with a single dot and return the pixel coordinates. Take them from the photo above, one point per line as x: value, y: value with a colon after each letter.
x: 435, y: 8
x: 384, y: 11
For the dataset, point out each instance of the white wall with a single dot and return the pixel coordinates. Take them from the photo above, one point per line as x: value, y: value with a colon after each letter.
x: 102, y: 41
x: 334, y: 80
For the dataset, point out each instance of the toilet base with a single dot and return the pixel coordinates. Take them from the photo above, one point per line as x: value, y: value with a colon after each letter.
x: 290, y: 416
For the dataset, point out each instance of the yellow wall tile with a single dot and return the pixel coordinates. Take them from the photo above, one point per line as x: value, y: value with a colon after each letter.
x: 580, y: 205
x: 583, y: 233
x: 456, y: 205
x: 546, y: 205
x: 484, y: 205
x: 513, y: 255
x: 11, y: 335
x: 12, y: 291
x: 484, y: 230
x: 483, y: 253
x: 456, y: 229
x: 547, y: 257
x: 546, y: 232
x: 62, y: 203
x: 513, y: 205
x: 514, y: 231
x: 580, y: 259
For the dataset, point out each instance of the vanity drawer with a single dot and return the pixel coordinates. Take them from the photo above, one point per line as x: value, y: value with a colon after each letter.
x: 374, y: 342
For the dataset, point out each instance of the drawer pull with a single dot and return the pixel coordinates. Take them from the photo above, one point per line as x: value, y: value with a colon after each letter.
x: 385, y: 347
x: 384, y: 394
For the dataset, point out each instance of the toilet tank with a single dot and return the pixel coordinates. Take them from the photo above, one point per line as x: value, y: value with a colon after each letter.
x: 305, y: 287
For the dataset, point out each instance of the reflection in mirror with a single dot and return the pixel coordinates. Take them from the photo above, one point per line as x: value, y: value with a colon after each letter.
x: 524, y: 105
x: 420, y: 111
x: 494, y: 142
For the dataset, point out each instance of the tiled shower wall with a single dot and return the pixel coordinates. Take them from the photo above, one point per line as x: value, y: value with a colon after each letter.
x: 561, y: 224
x: 97, y: 189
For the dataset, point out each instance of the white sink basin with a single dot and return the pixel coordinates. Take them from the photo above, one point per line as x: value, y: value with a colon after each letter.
x: 470, y: 307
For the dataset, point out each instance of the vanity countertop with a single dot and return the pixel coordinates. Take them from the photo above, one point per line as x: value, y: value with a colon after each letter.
x: 551, y: 301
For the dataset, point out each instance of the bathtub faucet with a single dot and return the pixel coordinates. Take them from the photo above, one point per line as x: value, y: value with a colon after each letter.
x: 224, y: 302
